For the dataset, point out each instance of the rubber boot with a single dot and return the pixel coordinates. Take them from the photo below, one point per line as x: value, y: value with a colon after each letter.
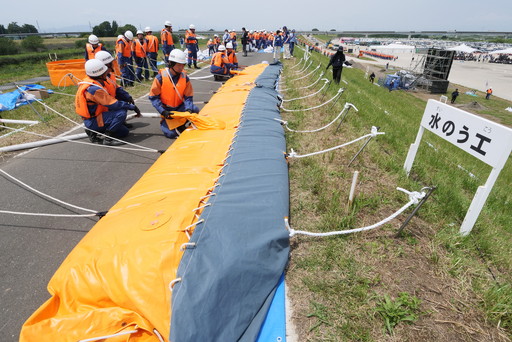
x: 111, y: 142
x: 197, y: 67
x: 93, y: 137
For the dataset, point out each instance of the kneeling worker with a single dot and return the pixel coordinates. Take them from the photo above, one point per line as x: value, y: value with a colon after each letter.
x: 220, y: 64
x: 101, y: 111
x: 231, y: 55
x: 172, y: 92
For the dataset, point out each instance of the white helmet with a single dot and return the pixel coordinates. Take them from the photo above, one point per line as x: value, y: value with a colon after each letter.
x: 120, y: 36
x: 221, y: 48
x: 167, y: 23
x: 140, y: 32
x: 178, y: 56
x: 93, y: 39
x: 192, y: 26
x: 148, y: 29
x: 95, y: 68
x: 229, y: 45
x: 128, y: 35
x: 104, y: 56
x: 215, y: 35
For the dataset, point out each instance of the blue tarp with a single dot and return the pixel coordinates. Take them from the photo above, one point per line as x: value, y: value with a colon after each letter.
x: 229, y: 279
x: 15, y: 98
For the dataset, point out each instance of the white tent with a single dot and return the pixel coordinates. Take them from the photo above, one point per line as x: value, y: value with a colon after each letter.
x: 397, y: 47
x: 463, y: 48
x: 505, y: 51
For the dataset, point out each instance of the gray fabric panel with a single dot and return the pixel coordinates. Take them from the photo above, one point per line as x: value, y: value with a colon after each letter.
x: 229, y: 278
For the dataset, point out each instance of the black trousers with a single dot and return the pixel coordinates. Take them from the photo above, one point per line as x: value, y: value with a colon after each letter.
x: 336, y: 74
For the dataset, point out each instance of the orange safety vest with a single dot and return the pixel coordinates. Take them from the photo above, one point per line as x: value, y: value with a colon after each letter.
x: 169, y: 95
x: 256, y: 36
x: 189, y: 35
x: 218, y: 59
x: 152, y: 43
x: 166, y: 36
x: 91, y: 50
x: 118, y: 46
x: 232, y: 58
x: 125, y: 49
x: 111, y: 84
x: 140, y: 48
x: 81, y: 103
x: 232, y: 35
x: 217, y: 40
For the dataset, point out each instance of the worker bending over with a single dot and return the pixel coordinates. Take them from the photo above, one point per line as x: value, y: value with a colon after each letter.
x: 220, y: 64
x: 101, y: 111
x: 172, y: 92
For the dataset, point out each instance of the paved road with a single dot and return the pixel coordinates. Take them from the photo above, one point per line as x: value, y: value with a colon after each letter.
x: 32, y: 248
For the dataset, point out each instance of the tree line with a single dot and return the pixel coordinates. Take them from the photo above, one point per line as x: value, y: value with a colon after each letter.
x: 15, y: 28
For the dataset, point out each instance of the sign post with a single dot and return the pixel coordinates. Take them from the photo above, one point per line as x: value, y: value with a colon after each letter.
x: 486, y: 140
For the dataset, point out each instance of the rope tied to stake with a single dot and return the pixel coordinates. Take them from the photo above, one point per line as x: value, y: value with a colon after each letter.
x: 340, y: 91
x: 374, y: 132
x: 414, y: 199
x: 346, y: 107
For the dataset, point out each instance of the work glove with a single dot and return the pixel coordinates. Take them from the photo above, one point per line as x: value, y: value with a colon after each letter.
x: 131, y: 101
x: 166, y: 114
x: 137, y: 110
x: 189, y: 110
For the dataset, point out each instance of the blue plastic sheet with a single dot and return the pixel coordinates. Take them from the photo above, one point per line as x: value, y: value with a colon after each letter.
x: 15, y: 98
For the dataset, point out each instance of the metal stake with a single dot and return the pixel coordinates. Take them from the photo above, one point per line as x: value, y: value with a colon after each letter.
x: 341, y: 121
x: 411, y: 215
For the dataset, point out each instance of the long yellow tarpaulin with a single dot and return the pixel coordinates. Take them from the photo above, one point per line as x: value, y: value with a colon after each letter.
x: 116, y: 280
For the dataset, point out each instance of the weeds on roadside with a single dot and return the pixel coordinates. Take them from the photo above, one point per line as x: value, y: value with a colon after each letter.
x: 403, y: 309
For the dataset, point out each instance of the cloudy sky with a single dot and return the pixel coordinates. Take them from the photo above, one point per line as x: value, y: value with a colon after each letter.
x: 389, y: 15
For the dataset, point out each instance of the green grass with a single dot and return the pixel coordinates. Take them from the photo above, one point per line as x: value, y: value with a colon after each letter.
x: 402, y: 309
x: 344, y: 274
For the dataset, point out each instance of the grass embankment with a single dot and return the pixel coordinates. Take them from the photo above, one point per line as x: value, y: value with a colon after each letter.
x: 366, y: 286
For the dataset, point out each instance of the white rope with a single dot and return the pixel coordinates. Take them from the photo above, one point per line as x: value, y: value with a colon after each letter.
x: 71, y: 76
x: 374, y: 133
x: 310, y: 95
x: 346, y: 107
x: 340, y: 91
x: 45, y: 195
x: 200, y: 77
x: 15, y: 130
x: 146, y: 149
x: 306, y: 66
x: 414, y: 198
x: 44, y: 214
x: 312, y: 71
x: 296, y: 65
x: 309, y: 86
x: 109, y: 336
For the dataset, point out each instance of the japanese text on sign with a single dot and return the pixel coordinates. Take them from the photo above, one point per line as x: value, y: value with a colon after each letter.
x: 480, y: 137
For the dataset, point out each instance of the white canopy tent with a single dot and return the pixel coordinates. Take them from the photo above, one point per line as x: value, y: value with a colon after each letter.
x: 462, y: 48
x: 504, y: 51
x: 392, y: 48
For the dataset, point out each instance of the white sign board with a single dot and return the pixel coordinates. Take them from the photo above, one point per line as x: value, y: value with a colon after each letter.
x: 486, y: 140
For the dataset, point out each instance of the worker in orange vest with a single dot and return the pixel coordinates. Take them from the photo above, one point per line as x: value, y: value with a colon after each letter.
x: 140, y: 47
x: 114, y: 89
x: 216, y: 41
x: 152, y: 51
x: 100, y: 111
x: 230, y: 52
x: 220, y: 64
x: 488, y: 94
x: 232, y: 35
x: 172, y: 92
x: 192, y: 46
x: 167, y: 41
x: 92, y: 47
x: 211, y: 47
x: 124, y: 58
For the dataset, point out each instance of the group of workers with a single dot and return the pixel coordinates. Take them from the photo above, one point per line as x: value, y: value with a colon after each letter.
x: 103, y: 104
